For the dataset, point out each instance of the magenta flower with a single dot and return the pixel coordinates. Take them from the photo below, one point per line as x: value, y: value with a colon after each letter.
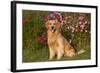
x: 81, y: 18
x: 42, y: 39
x: 53, y: 16
x: 81, y: 22
x: 82, y: 26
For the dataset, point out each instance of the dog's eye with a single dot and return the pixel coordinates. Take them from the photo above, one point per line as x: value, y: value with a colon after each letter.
x: 49, y: 24
x: 54, y: 24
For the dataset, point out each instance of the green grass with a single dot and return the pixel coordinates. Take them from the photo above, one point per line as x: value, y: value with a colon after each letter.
x: 42, y: 55
x: 35, y: 51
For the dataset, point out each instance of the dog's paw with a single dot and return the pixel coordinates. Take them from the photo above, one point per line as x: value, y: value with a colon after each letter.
x: 50, y: 59
x: 70, y: 54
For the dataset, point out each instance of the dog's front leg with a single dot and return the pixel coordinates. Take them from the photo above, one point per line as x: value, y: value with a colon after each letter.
x: 51, y: 53
x: 60, y: 53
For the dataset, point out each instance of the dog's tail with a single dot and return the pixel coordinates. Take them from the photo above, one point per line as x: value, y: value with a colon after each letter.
x: 80, y: 51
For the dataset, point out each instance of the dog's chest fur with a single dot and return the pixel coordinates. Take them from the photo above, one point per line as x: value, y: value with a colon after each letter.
x: 52, y: 40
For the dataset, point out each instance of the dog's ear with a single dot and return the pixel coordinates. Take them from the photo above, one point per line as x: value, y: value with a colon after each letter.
x: 62, y: 22
x: 58, y: 25
x: 46, y: 24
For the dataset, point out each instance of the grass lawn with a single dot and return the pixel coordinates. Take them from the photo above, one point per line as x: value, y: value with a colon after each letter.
x: 42, y: 55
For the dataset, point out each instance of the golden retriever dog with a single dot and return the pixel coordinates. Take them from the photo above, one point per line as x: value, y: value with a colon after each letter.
x: 58, y: 45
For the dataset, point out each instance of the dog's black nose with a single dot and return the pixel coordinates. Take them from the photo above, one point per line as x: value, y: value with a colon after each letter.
x: 52, y: 27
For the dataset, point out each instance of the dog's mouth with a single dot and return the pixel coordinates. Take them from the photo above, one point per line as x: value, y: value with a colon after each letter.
x: 53, y: 29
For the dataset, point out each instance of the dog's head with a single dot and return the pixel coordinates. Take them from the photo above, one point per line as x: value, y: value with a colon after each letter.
x: 53, y: 22
x: 53, y: 25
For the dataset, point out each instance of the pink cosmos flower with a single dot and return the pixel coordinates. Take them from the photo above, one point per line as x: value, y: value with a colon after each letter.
x: 66, y: 18
x: 54, y: 15
x: 68, y: 27
x: 72, y: 29
x: 81, y: 22
x: 76, y: 26
x: 86, y: 31
x: 82, y: 26
x: 81, y: 30
x: 76, y: 30
x: 81, y: 18
x: 85, y: 22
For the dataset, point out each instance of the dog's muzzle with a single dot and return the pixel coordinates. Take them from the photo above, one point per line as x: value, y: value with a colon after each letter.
x: 53, y: 29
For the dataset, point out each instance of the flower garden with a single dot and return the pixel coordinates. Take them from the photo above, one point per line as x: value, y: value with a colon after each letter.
x: 75, y: 28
